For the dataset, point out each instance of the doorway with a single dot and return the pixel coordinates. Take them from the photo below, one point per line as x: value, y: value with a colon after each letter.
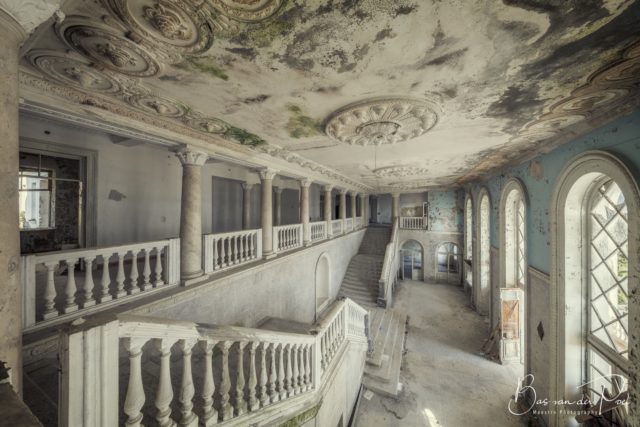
x: 411, y: 255
x: 448, y: 263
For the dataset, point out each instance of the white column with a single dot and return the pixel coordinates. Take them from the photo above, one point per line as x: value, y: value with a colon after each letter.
x: 343, y: 207
x: 246, y: 205
x: 354, y: 202
x: 191, y: 213
x: 304, y: 211
x: 395, y: 206
x: 277, y: 198
x: 328, y: 208
x: 364, y: 205
x: 266, y: 176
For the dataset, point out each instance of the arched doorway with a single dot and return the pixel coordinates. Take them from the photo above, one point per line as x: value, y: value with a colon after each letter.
x: 411, y: 254
x: 482, y: 264
x: 448, y: 263
x: 323, y: 282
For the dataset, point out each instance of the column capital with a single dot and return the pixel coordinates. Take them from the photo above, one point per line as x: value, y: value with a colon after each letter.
x: 189, y: 156
x: 27, y: 15
x: 277, y: 190
x: 354, y: 193
x: 327, y: 187
x: 247, y: 186
x: 267, y: 173
x: 395, y: 194
x: 305, y: 182
x: 343, y: 191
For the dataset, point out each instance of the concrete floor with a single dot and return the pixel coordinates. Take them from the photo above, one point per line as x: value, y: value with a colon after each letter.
x: 446, y: 382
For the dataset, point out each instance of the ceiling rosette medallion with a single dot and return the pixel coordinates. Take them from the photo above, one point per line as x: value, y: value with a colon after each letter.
x: 399, y: 171
x: 382, y: 121
x: 73, y: 72
x: 208, y: 125
x: 247, y: 10
x: 157, y: 105
x: 175, y: 27
x: 106, y: 48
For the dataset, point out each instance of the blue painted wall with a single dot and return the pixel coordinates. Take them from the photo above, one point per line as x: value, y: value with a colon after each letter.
x: 621, y: 138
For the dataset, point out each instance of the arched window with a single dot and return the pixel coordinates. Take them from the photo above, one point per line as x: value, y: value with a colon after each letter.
x: 513, y: 235
x: 448, y: 263
x: 323, y: 282
x: 468, y: 240
x: 412, y: 255
x: 594, y: 228
x: 483, y: 262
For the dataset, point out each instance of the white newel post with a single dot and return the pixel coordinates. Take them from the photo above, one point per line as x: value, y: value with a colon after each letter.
x: 328, y: 207
x: 266, y: 177
x: 89, y: 376
x: 395, y: 206
x: 246, y: 205
x: 343, y: 209
x: 304, y: 211
x: 191, y: 213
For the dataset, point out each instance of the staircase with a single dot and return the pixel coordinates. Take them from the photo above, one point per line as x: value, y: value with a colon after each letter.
x: 388, y: 327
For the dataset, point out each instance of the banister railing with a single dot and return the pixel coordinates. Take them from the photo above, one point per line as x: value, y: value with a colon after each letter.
x: 287, y: 237
x: 230, y: 373
x: 225, y: 250
x: 59, y: 286
x: 390, y: 266
x: 413, y: 223
x: 336, y: 227
x: 318, y: 230
x: 348, y: 224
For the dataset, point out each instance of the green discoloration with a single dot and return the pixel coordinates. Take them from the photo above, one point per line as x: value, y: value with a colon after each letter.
x: 302, y: 417
x: 300, y: 125
x: 243, y: 137
x: 203, y: 64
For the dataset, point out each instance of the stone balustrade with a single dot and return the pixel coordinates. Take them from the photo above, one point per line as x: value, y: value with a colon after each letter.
x: 390, y: 268
x: 337, y: 227
x: 287, y: 237
x: 221, y: 375
x: 348, y: 224
x: 225, y: 250
x: 413, y: 223
x: 58, y: 286
x: 359, y: 223
x: 318, y: 230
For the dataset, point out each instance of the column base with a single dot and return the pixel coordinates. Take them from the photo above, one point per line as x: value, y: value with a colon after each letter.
x: 269, y: 255
x: 191, y: 278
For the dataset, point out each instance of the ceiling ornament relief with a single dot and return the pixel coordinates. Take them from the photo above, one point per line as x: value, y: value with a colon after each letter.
x: 102, y: 45
x: 399, y: 171
x: 208, y: 125
x: 73, y: 72
x: 382, y: 121
x: 154, y: 104
x: 247, y: 10
x: 174, y: 27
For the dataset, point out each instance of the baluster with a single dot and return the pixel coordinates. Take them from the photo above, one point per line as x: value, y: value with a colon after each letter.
x: 328, y: 343
x: 50, y: 292
x: 233, y: 250
x: 134, y: 401
x: 164, y: 394
x: 295, y: 380
x: 105, y: 281
x: 215, y: 253
x: 209, y: 414
x: 187, y: 390
x: 70, y: 290
x: 240, y: 404
x: 303, y: 359
x: 288, y: 379
x: 133, y: 274
x: 87, y: 289
x: 273, y: 377
x: 242, y: 257
x: 309, y: 365
x: 120, y: 292
x: 249, y: 246
x: 159, y: 282
x: 225, y: 383
x: 264, y: 397
x: 146, y: 271
x: 223, y: 252
x: 323, y: 351
x: 254, y: 403
x: 281, y: 381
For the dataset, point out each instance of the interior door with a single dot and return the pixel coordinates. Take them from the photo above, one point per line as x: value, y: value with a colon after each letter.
x: 511, y: 323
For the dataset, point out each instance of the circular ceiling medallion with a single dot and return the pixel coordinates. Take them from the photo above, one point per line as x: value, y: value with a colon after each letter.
x: 175, y: 25
x: 105, y: 48
x: 399, y: 171
x: 382, y: 121
x: 584, y: 101
x: 72, y: 72
x: 209, y: 125
x: 157, y: 105
x: 247, y: 10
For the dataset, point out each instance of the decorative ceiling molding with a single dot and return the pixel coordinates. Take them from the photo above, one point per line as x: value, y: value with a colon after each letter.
x: 247, y: 10
x: 399, y: 171
x: 382, y: 121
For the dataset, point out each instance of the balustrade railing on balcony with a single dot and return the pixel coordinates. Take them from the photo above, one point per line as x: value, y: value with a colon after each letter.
x: 348, y: 224
x: 287, y: 237
x: 58, y: 286
x: 413, y: 222
x: 230, y: 373
x: 225, y: 250
x: 336, y: 227
x: 318, y: 230
x: 359, y: 222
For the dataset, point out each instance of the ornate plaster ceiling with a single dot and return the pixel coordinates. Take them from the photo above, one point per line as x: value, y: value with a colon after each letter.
x: 387, y: 94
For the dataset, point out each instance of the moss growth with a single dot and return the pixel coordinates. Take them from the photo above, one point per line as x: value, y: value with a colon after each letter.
x: 300, y: 125
x: 243, y: 137
x: 302, y: 417
x: 203, y: 64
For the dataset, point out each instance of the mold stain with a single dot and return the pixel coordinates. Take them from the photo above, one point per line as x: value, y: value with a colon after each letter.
x: 256, y: 99
x: 387, y: 33
x: 243, y: 137
x: 405, y: 10
x: 448, y: 59
x: 263, y: 34
x: 247, y: 53
x: 300, y: 125
x: 204, y: 64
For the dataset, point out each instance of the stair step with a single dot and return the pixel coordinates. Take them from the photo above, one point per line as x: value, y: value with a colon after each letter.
x: 384, y: 378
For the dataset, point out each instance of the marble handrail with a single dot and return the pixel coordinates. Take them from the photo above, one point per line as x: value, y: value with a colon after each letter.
x: 390, y: 268
x: 413, y: 223
x: 318, y: 230
x: 287, y: 237
x: 225, y: 250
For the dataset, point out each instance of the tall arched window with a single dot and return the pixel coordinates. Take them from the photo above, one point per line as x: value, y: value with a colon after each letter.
x: 483, y: 262
x: 468, y: 240
x: 513, y: 235
x: 594, y: 230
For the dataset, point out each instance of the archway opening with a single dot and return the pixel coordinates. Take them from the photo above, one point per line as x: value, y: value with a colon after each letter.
x: 448, y: 263
x: 323, y: 282
x: 412, y: 256
x: 468, y: 244
x: 483, y: 291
